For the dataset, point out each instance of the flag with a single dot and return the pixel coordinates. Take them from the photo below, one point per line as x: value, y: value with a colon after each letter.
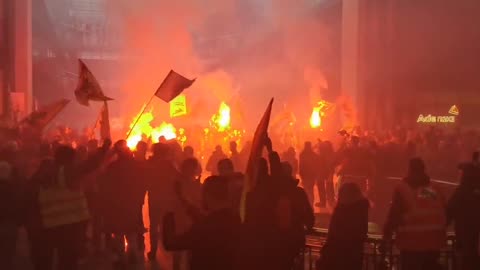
x: 41, y: 118
x: 103, y: 122
x: 172, y: 86
x: 88, y: 87
x: 178, y: 106
x: 255, y: 155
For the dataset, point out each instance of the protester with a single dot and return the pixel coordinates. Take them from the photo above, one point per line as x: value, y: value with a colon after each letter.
x: 417, y: 217
x: 10, y: 213
x: 290, y: 156
x: 347, y: 231
x: 213, y: 240
x: 161, y: 176
x: 212, y: 162
x: 235, y: 181
x: 463, y: 210
x: 309, y: 171
x: 187, y: 204
x: 123, y: 193
x: 235, y: 156
x: 63, y: 207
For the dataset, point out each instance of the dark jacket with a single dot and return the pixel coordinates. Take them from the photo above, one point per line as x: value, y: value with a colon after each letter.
x: 346, y: 236
x: 463, y: 208
x: 212, y: 241
x: 122, y: 196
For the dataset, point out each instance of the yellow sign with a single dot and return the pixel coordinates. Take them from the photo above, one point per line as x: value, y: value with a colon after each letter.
x: 178, y: 106
x: 435, y: 119
x: 454, y: 110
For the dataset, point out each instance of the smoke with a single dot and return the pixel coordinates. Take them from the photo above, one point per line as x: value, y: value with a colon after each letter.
x: 241, y: 50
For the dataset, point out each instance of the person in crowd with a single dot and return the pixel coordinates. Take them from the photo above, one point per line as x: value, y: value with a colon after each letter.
x: 140, y: 156
x: 302, y: 217
x: 123, y: 193
x: 212, y: 240
x: 235, y: 179
x: 188, y: 152
x: 62, y: 206
x: 326, y: 168
x: 277, y: 216
x: 10, y: 213
x: 347, y: 231
x: 356, y: 165
x: 235, y: 156
x: 140, y: 153
x: 161, y: 176
x: 417, y: 217
x: 216, y: 156
x: 463, y: 210
x: 290, y: 156
x: 309, y: 171
x: 187, y: 191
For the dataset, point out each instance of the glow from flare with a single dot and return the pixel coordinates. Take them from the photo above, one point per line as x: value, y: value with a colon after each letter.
x: 315, y: 119
x: 144, y: 130
x: 221, y: 120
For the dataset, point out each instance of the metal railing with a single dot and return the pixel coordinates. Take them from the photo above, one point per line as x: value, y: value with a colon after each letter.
x: 373, y: 258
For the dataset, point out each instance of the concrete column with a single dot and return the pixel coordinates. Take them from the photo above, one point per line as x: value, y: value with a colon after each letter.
x: 350, y: 49
x: 23, y: 51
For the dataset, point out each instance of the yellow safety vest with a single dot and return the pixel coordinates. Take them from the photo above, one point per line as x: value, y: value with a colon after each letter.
x: 60, y: 205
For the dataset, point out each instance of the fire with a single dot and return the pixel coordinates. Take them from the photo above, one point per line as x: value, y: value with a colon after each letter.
x: 315, y: 119
x: 221, y: 120
x: 144, y: 129
x: 318, y: 113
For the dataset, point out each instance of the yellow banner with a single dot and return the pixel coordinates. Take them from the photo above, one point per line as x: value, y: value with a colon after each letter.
x: 178, y: 106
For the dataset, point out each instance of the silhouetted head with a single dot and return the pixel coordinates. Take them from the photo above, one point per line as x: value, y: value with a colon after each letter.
x: 215, y: 193
x: 307, y: 146
x: 189, y: 167
x: 121, y: 149
x: 233, y: 147
x: 225, y: 167
x: 287, y: 168
x: 141, y: 149
x: 417, y: 175
x: 218, y: 148
x: 161, y: 150
x: 64, y: 155
x: 92, y: 146
x: 349, y: 193
x: 188, y: 151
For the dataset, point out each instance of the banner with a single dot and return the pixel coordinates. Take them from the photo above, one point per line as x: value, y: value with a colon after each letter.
x: 88, y: 87
x: 255, y: 155
x: 172, y: 86
x: 178, y: 106
x: 41, y: 118
x: 103, y: 122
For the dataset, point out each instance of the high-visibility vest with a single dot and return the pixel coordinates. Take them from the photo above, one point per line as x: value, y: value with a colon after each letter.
x: 60, y: 205
x: 423, y: 226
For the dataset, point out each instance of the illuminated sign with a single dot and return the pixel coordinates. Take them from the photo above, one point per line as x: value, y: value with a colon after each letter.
x: 443, y: 119
x: 178, y: 106
x: 454, y: 110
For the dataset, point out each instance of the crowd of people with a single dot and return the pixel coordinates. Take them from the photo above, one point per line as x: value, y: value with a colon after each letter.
x: 59, y: 192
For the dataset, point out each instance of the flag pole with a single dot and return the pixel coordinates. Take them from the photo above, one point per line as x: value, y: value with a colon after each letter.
x: 138, y: 117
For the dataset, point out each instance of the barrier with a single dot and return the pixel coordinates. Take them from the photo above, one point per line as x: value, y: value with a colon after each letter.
x: 373, y: 258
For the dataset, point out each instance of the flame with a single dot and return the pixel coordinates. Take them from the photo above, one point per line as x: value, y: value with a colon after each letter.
x: 221, y: 120
x: 315, y: 119
x: 144, y: 129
